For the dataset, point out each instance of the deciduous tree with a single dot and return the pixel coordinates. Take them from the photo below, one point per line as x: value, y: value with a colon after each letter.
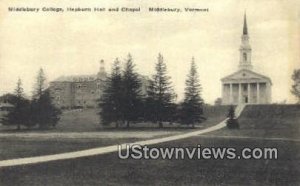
x: 296, y: 86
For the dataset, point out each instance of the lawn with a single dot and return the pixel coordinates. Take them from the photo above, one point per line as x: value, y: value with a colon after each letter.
x: 21, y: 148
x: 20, y: 145
x: 110, y: 170
x: 256, y: 121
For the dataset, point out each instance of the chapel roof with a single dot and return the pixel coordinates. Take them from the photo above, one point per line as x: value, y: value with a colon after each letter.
x: 245, y: 74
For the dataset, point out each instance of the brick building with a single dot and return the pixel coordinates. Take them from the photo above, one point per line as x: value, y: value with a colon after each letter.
x: 82, y: 91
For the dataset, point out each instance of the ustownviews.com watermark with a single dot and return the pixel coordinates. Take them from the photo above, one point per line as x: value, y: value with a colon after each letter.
x: 137, y: 151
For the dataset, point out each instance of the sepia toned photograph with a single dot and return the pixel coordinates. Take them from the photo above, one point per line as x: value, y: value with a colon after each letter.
x: 128, y: 92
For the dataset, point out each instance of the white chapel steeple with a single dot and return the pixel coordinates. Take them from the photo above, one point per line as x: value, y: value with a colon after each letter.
x: 245, y: 48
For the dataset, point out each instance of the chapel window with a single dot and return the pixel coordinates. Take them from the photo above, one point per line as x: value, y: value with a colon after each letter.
x: 245, y: 56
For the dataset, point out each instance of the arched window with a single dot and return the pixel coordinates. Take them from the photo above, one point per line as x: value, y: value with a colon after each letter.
x: 245, y: 56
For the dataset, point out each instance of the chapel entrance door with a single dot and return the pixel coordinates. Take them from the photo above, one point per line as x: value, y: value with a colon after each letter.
x: 246, y: 99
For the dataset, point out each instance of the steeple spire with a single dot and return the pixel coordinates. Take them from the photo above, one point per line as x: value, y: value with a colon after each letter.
x: 245, y: 48
x: 245, y: 29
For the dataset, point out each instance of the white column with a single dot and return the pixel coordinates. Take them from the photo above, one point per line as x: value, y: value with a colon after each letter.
x: 240, y: 94
x: 223, y: 93
x: 269, y: 92
x: 249, y: 93
x: 257, y: 93
x: 230, y: 94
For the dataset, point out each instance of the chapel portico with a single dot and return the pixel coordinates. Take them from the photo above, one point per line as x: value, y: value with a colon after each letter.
x: 245, y: 85
x: 236, y: 92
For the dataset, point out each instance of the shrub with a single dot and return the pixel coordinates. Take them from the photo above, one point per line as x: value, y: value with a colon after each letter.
x: 232, y: 122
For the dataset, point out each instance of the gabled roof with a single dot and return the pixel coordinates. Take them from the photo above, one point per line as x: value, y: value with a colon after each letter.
x: 245, y: 74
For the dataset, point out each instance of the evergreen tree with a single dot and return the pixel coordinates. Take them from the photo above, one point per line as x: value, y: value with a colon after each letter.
x: 19, y: 90
x: 131, y: 97
x: 111, y: 99
x: 296, y: 86
x: 192, y: 107
x: 40, y: 85
x: 160, y: 95
x: 150, y: 103
x: 232, y: 122
x: 44, y: 113
x: 20, y: 113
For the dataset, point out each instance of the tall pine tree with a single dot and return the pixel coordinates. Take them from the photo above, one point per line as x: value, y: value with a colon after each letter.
x: 192, y: 107
x: 20, y: 113
x: 160, y: 94
x: 110, y: 103
x: 44, y: 113
x: 131, y: 98
x: 40, y: 85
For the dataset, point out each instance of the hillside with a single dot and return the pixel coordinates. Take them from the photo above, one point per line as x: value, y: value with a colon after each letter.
x: 282, y: 121
x: 215, y: 114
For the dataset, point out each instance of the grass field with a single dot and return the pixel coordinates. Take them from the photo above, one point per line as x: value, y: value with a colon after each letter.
x: 257, y: 122
x: 17, y: 148
x: 20, y: 145
x: 109, y: 170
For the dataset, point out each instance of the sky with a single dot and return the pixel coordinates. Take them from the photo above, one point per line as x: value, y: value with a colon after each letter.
x: 73, y: 43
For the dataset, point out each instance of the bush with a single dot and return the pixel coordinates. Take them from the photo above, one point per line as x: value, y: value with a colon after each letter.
x: 232, y: 124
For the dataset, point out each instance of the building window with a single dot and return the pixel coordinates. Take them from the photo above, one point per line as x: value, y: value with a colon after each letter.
x: 245, y: 56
